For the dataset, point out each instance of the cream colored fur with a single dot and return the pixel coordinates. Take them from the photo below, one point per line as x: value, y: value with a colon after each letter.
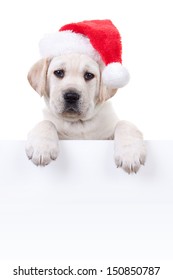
x: 95, y: 118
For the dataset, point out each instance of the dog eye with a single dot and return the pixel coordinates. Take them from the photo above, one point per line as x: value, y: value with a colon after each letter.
x: 59, y: 73
x: 88, y: 76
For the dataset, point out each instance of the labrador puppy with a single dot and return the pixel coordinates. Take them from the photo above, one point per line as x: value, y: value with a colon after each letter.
x: 78, y: 107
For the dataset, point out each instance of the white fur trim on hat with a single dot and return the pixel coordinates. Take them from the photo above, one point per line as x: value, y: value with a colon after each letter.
x: 115, y: 75
x: 65, y: 42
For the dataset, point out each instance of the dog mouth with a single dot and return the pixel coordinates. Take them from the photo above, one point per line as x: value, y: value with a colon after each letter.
x: 71, y: 110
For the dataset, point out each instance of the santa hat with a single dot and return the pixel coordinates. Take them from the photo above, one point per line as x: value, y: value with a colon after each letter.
x: 99, y: 39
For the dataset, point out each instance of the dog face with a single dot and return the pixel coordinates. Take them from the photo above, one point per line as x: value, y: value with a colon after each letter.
x: 71, y: 84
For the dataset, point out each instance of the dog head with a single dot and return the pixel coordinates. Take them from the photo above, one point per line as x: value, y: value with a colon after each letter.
x: 71, y: 84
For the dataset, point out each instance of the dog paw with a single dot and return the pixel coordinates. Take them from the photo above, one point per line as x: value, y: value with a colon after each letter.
x: 130, y: 157
x: 41, y: 151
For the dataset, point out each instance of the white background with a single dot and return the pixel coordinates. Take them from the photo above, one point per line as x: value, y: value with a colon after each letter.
x: 81, y: 207
x: 146, y: 29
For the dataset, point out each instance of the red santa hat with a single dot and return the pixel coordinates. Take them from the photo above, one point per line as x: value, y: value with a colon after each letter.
x: 99, y: 39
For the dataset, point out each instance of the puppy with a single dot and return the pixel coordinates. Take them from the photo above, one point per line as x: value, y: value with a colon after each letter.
x: 78, y: 107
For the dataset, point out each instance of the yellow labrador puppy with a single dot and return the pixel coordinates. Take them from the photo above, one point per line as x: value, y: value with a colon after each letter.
x: 77, y: 107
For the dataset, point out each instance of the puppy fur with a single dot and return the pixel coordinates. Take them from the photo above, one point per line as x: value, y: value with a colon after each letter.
x: 77, y: 107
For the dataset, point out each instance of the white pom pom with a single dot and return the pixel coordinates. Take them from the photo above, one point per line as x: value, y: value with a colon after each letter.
x: 115, y: 75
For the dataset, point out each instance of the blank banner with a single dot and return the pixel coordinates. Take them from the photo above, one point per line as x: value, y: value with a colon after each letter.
x: 82, y: 207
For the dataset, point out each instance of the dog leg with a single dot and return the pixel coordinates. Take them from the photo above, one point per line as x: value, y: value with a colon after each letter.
x: 130, y: 149
x: 42, y: 143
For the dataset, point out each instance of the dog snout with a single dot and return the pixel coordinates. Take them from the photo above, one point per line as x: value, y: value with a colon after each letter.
x: 71, y: 96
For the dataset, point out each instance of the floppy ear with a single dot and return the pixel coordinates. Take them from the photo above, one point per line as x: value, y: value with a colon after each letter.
x: 105, y: 92
x: 37, y: 76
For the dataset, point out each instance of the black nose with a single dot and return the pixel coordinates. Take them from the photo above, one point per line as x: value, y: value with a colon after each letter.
x: 71, y: 96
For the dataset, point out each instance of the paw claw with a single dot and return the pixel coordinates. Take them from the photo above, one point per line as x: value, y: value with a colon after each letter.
x: 130, y: 157
x: 42, y: 152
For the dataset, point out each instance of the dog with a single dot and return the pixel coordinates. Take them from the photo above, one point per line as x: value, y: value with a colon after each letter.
x: 78, y: 107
